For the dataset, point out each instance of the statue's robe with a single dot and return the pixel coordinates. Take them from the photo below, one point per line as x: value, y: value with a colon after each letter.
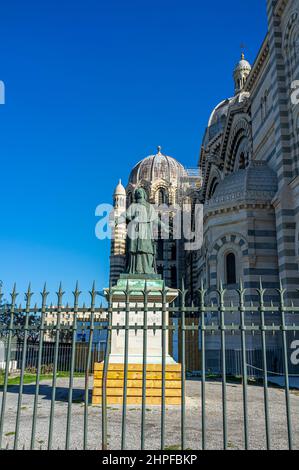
x: 140, y: 246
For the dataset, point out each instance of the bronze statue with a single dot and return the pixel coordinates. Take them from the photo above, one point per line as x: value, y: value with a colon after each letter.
x: 141, y: 218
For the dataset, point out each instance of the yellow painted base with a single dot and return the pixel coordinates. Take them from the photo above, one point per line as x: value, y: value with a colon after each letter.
x: 115, y: 384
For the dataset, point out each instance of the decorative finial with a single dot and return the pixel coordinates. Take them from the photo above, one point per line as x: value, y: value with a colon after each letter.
x: 119, y: 181
x: 243, y: 47
x: 159, y: 148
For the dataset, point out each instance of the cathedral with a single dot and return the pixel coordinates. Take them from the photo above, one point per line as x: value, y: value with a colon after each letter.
x: 247, y: 178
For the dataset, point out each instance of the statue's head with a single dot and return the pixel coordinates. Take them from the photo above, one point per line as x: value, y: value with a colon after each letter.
x: 140, y: 195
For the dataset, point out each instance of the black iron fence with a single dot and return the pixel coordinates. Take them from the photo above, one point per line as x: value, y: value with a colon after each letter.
x: 217, y: 342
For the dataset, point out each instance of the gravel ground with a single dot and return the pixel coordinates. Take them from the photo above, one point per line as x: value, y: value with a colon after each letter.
x: 256, y: 419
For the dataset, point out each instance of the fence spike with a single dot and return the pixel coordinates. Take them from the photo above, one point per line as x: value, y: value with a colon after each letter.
x: 76, y: 292
x: 60, y: 294
x: 14, y: 294
x: 261, y: 284
x: 44, y: 293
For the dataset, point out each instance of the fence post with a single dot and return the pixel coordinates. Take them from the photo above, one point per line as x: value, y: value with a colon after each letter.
x: 60, y: 294
x: 183, y: 370
x: 202, y: 293
x: 144, y: 363
x: 93, y: 295
x: 28, y: 296
x: 163, y: 332
x: 286, y: 367
x: 221, y: 293
x: 76, y: 295
x: 241, y: 292
x: 126, y: 358
x: 105, y: 370
x: 7, y: 364
x: 261, y: 293
x: 44, y: 295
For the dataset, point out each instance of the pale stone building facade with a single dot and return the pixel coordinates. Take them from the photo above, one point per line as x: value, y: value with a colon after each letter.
x: 249, y: 162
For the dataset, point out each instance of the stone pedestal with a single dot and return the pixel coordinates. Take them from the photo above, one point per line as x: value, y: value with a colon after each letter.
x: 135, y: 346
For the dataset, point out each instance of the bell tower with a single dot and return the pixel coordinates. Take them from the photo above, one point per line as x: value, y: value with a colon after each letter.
x: 241, y: 73
x: 118, y: 242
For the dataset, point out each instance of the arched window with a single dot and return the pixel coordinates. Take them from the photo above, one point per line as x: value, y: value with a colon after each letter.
x: 262, y: 110
x: 231, y: 274
x: 173, y: 251
x: 242, y: 162
x: 173, y: 275
x: 213, y: 187
x: 160, y: 271
x: 162, y: 196
x: 266, y: 103
x: 160, y: 249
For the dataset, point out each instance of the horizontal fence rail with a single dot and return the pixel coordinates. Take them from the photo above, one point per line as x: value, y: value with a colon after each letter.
x: 48, y: 355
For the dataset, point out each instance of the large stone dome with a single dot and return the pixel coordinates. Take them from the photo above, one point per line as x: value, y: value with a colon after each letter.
x: 157, y: 167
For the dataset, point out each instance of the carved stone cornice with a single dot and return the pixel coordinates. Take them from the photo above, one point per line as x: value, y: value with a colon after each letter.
x: 258, y: 65
x: 280, y: 7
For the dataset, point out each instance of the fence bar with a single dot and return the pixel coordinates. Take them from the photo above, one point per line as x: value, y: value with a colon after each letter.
x: 221, y: 292
x: 8, y: 352
x: 44, y: 295
x: 244, y: 363
x: 60, y: 294
x: 202, y: 292
x: 163, y: 400
x: 286, y: 367
x: 105, y: 372
x: 76, y: 294
x: 28, y: 296
x: 261, y: 293
x: 183, y: 370
x: 93, y: 295
x: 126, y: 358
x: 144, y: 364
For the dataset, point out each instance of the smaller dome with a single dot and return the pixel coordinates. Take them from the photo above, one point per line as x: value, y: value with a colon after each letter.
x: 243, y: 64
x: 120, y: 190
x: 217, y: 121
x: 258, y: 182
x: 241, y: 73
x: 156, y: 167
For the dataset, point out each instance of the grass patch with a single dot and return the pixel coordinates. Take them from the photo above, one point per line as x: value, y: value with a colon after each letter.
x: 31, y: 378
x: 175, y: 447
x: 230, y: 445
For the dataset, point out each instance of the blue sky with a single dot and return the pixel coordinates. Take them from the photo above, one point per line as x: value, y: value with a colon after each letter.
x: 91, y: 88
